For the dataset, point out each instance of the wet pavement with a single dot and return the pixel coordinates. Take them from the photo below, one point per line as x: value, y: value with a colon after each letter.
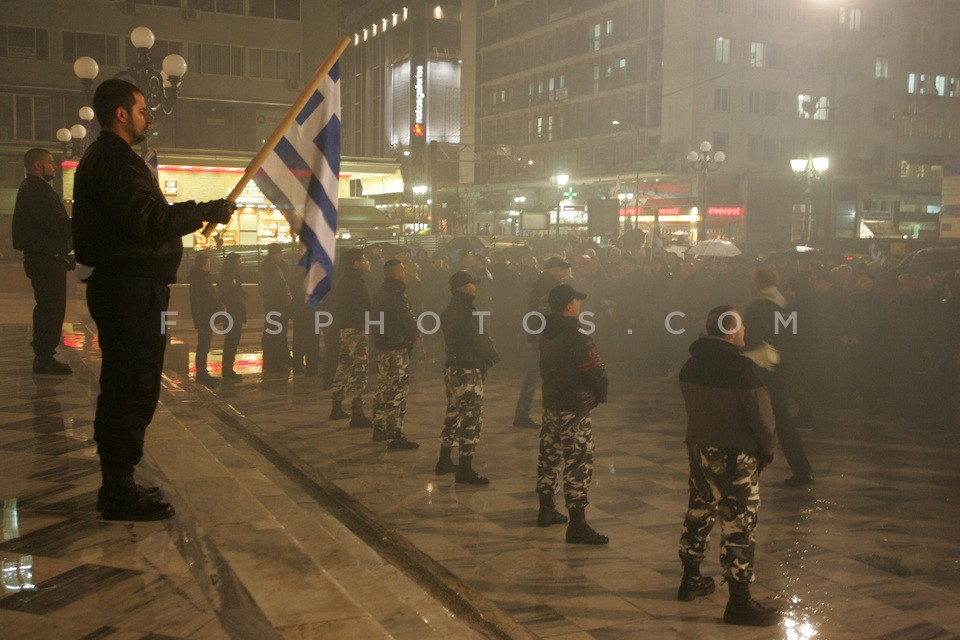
x: 293, y: 526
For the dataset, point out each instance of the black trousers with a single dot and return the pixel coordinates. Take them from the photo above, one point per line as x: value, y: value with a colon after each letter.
x: 276, y: 348
x: 129, y: 324
x: 787, y: 432
x: 231, y: 341
x: 48, y: 275
x: 204, y: 337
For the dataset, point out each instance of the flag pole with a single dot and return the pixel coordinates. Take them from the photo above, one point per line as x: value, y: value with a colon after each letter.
x: 281, y: 129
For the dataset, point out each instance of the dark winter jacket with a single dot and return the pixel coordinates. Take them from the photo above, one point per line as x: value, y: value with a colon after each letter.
x: 40, y: 223
x: 538, y: 301
x: 574, y: 378
x: 399, y: 329
x: 230, y: 291
x: 122, y: 225
x: 466, y: 346
x: 727, y: 405
x: 352, y: 300
x: 203, y: 298
x: 274, y: 285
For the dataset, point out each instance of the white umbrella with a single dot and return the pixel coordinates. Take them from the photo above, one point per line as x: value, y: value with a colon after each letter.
x: 714, y: 249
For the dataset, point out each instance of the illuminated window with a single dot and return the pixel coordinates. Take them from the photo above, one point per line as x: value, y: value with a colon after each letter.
x: 883, y: 68
x: 723, y: 50
x: 911, y: 83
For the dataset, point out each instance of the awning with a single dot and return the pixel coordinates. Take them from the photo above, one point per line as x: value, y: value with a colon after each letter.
x: 353, y: 216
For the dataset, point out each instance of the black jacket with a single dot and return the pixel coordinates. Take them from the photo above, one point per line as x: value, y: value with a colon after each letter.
x: 274, y: 285
x: 203, y: 298
x: 728, y: 406
x: 466, y: 346
x: 574, y: 378
x: 122, y: 225
x: 352, y: 300
x: 399, y: 326
x: 40, y: 222
x: 538, y: 301
x: 230, y: 292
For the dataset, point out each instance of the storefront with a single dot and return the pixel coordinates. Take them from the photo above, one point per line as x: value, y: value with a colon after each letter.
x: 679, y: 222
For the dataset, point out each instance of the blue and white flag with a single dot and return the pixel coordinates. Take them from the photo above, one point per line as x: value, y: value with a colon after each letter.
x: 301, y: 178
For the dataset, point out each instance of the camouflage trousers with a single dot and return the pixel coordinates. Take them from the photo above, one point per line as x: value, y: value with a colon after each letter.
x: 351, y: 377
x: 724, y: 482
x: 566, y: 439
x: 390, y: 401
x: 464, y: 418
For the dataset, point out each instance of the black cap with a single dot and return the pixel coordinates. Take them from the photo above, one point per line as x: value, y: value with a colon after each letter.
x: 556, y: 262
x: 461, y: 278
x: 561, y: 295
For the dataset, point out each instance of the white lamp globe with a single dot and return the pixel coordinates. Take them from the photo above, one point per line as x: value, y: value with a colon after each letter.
x: 64, y: 135
x: 142, y: 38
x: 86, y: 114
x: 78, y: 131
x: 719, y: 156
x: 174, y: 65
x: 86, y: 68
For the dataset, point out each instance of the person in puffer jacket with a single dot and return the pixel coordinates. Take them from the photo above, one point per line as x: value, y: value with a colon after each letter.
x: 731, y: 437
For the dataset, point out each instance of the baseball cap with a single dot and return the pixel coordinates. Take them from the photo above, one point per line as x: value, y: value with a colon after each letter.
x: 556, y: 262
x: 561, y: 295
x: 461, y: 278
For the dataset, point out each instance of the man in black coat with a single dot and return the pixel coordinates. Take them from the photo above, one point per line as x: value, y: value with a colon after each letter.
x: 398, y: 333
x: 574, y: 382
x: 470, y: 353
x: 352, y: 305
x: 41, y: 229
x: 124, y: 228
x: 204, y: 303
x: 274, y: 287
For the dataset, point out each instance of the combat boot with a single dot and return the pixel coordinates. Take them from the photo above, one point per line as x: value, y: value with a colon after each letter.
x: 693, y: 584
x: 548, y: 513
x: 120, y: 498
x: 579, y: 532
x: 357, y: 419
x: 466, y: 474
x: 337, y: 412
x: 744, y: 610
x: 445, y: 463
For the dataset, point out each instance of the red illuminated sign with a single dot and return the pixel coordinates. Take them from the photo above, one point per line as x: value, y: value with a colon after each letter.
x: 669, y: 211
x: 418, y: 130
x: 725, y: 212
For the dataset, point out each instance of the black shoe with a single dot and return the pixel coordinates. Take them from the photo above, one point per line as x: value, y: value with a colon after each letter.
x: 207, y: 380
x: 799, y: 481
x: 742, y: 609
x: 549, y: 515
x: 357, y: 419
x: 525, y: 422
x: 584, y: 534
x: 337, y: 412
x: 694, y: 586
x: 445, y: 465
x: 402, y: 444
x: 469, y: 476
x: 231, y: 376
x: 149, y: 493
x: 51, y: 366
x: 136, y: 507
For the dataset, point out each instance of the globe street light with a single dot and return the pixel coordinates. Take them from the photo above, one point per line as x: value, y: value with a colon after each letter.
x: 160, y: 87
x: 809, y: 169
x: 704, y: 161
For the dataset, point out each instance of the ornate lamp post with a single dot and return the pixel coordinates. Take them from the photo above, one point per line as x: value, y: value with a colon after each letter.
x: 809, y: 169
x: 704, y: 161
x: 160, y: 87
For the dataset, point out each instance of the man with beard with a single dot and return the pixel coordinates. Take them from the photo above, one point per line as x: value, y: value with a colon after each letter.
x: 470, y: 353
x: 41, y: 229
x: 124, y: 228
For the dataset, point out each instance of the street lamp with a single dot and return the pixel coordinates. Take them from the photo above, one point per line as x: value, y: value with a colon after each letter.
x: 809, y: 169
x: 160, y: 87
x: 704, y: 161
x: 562, y: 179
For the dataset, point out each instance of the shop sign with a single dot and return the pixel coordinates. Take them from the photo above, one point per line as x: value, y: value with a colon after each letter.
x: 669, y: 211
x: 170, y: 188
x: 419, y: 97
x: 725, y: 212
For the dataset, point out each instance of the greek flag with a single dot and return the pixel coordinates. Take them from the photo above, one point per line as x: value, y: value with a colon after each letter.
x: 301, y: 178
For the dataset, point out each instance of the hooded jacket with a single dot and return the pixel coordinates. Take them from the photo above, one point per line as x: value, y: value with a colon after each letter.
x: 727, y: 405
x: 574, y: 378
x: 466, y: 346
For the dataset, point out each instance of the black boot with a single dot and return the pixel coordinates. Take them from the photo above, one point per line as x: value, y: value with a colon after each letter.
x: 548, y: 513
x: 693, y: 584
x: 445, y: 463
x: 121, y: 498
x: 466, y: 474
x: 579, y: 532
x: 337, y: 412
x: 357, y: 419
x: 743, y: 609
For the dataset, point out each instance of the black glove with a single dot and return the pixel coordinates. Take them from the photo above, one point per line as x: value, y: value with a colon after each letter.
x: 218, y: 211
